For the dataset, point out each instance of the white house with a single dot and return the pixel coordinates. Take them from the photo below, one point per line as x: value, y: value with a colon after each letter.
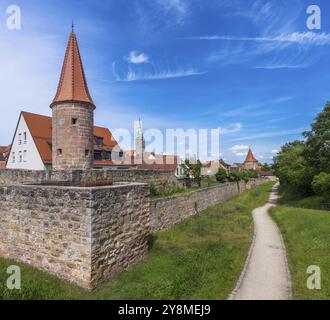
x: 31, y: 148
x: 24, y: 153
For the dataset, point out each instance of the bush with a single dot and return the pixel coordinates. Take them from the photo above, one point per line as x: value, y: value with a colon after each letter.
x: 153, y: 190
x: 221, y: 175
x: 321, y: 185
x: 234, y: 176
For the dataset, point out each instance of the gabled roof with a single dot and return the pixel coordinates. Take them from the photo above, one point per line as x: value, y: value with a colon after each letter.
x: 73, y: 85
x: 250, y: 157
x: 40, y: 128
x: 109, y: 142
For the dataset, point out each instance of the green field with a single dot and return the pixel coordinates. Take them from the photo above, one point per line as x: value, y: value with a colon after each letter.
x: 306, y: 235
x: 200, y: 258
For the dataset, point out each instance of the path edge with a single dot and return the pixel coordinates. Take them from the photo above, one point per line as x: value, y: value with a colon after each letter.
x: 233, y: 294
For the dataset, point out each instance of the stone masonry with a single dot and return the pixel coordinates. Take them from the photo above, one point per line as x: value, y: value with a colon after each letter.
x: 83, y: 235
x: 73, y: 136
x: 161, y: 178
x: 168, y: 211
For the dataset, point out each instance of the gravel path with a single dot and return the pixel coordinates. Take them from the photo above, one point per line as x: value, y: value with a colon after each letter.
x: 266, y: 275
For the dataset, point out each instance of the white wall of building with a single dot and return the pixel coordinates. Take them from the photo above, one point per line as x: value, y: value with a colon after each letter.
x: 24, y: 153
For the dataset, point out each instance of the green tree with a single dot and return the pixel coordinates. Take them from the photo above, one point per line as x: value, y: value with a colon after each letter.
x: 321, y: 185
x: 221, y: 175
x: 292, y: 169
x: 317, y: 149
x: 196, y: 171
x: 234, y: 176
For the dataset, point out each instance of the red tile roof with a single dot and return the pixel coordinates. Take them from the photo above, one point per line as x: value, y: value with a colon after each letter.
x: 73, y: 84
x: 4, y: 151
x: 41, y: 130
x: 250, y: 157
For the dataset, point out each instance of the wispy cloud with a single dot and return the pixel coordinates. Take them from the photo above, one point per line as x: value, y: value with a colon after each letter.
x: 302, y: 38
x: 137, y: 58
x: 273, y: 134
x: 239, y: 149
x: 140, y: 76
x: 254, y: 109
x: 144, y: 69
x: 236, y: 127
x: 178, y: 8
x: 281, y: 66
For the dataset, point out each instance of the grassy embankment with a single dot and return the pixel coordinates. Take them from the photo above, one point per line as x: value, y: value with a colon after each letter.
x: 200, y: 258
x: 306, y: 234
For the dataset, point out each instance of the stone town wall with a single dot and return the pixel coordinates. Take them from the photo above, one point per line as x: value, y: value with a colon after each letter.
x: 161, y: 178
x: 167, y: 211
x: 87, y: 235
x: 84, y: 235
x: 120, y: 229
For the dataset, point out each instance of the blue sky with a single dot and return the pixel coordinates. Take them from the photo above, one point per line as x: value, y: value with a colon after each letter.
x: 251, y: 67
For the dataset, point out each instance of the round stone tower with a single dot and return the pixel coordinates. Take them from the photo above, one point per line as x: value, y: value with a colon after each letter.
x: 73, y: 115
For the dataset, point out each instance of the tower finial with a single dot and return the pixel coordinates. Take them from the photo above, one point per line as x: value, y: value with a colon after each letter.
x: 72, y: 26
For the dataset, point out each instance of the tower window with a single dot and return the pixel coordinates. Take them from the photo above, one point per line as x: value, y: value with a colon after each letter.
x: 74, y: 121
x: 13, y: 157
x: 59, y: 152
x: 25, y: 156
x: 24, y: 137
x: 86, y: 153
x: 20, y: 156
x: 19, y: 138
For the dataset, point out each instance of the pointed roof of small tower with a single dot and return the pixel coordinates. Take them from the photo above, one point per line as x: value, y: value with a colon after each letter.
x: 250, y: 157
x: 73, y: 85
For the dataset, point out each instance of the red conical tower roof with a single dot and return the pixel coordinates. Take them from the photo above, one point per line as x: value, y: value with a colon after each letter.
x: 73, y: 84
x: 250, y: 157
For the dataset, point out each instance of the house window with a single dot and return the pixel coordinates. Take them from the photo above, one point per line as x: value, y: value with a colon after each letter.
x: 121, y: 154
x: 25, y: 156
x: 98, y: 155
x: 24, y: 137
x: 20, y: 157
x: 177, y: 172
x: 13, y: 154
x: 86, y: 153
x: 19, y: 138
x: 99, y: 142
x: 74, y: 121
x: 108, y: 155
x: 59, y: 152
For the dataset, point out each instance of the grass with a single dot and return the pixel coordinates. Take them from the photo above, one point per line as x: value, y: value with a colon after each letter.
x: 307, y: 239
x: 200, y: 258
x: 311, y: 202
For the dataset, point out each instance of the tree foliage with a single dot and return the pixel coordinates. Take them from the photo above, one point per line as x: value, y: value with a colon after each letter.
x: 303, y: 167
x: 321, y: 185
x: 221, y: 175
x: 317, y: 148
x: 292, y: 169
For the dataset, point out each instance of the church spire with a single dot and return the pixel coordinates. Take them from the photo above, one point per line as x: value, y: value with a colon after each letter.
x: 250, y: 157
x: 72, y: 86
x: 140, y: 142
